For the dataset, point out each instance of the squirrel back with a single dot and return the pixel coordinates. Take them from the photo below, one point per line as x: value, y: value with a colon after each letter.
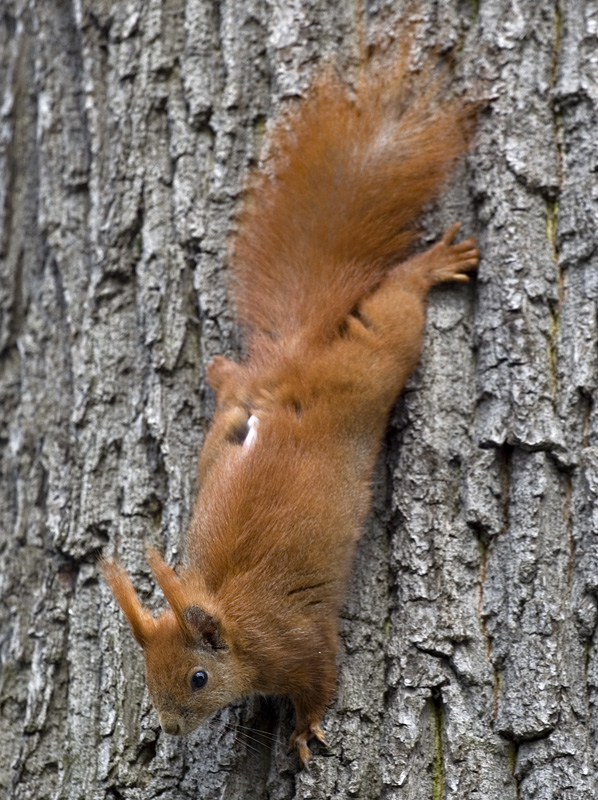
x: 335, y: 206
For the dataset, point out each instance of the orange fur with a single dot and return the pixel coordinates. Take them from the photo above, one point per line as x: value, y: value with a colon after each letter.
x: 335, y: 323
x: 337, y: 209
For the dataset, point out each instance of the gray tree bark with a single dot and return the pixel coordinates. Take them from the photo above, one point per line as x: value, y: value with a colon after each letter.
x: 468, y: 666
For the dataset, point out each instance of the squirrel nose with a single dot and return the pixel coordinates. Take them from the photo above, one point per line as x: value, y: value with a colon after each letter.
x: 170, y: 726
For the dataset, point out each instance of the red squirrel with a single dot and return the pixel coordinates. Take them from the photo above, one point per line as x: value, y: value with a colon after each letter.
x: 333, y: 316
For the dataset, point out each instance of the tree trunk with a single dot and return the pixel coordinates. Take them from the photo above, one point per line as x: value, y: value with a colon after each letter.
x: 468, y: 665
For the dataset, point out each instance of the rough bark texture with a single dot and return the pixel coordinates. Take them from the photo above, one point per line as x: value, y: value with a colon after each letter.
x: 468, y: 666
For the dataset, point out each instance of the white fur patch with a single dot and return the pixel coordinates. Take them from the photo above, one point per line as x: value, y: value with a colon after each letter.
x: 252, y: 424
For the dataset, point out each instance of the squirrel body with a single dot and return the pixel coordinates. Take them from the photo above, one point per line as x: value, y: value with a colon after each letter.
x: 334, y: 318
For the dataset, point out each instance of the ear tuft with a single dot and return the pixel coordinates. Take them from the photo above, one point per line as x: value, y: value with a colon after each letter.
x: 205, y: 628
x: 171, y: 585
x: 141, y: 621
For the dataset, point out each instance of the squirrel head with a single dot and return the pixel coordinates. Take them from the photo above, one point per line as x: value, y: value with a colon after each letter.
x: 191, y: 667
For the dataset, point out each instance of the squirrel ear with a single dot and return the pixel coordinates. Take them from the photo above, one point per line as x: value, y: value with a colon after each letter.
x: 205, y: 627
x: 171, y: 585
x: 197, y: 624
x: 141, y: 621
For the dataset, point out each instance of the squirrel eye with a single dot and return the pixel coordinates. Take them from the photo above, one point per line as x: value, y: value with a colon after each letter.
x: 199, y: 680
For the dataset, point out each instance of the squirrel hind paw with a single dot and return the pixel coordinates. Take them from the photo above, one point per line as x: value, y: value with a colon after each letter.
x: 450, y: 261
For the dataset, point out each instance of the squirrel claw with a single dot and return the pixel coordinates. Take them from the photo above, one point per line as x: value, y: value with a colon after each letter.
x: 317, y: 731
x: 450, y: 233
x: 298, y: 742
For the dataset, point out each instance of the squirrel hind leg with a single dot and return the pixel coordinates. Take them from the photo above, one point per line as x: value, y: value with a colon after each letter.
x: 221, y: 370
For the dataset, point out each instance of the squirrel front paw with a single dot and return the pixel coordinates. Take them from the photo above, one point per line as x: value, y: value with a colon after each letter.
x: 300, y: 738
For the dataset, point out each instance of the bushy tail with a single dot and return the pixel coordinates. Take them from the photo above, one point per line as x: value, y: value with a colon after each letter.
x: 335, y: 207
